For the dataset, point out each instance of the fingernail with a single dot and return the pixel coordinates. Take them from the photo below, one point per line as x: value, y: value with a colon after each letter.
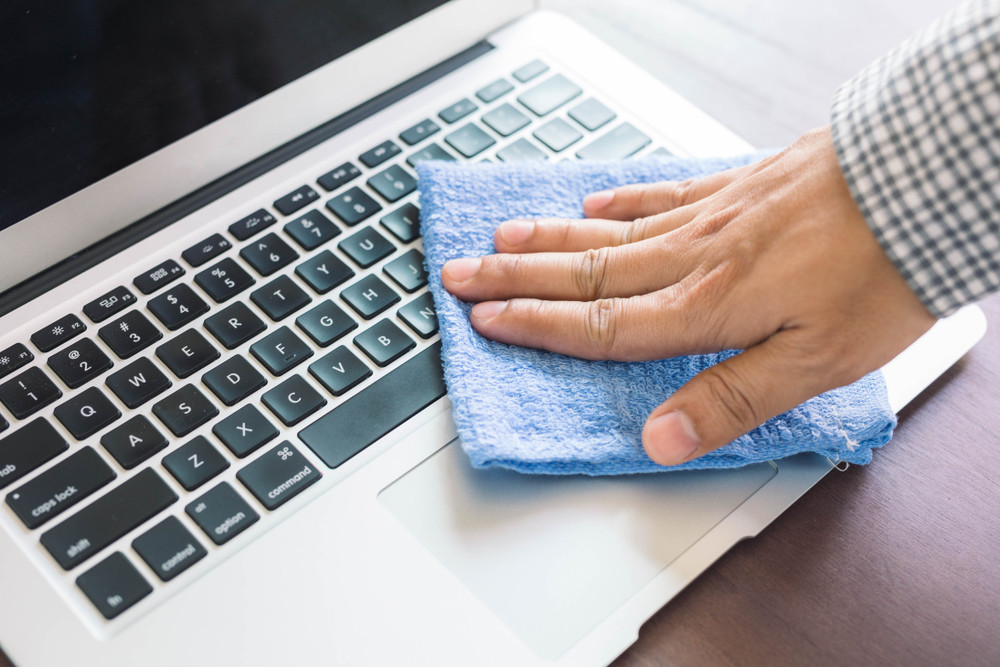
x: 460, y: 270
x: 487, y: 310
x: 516, y: 232
x: 670, y: 439
x: 598, y: 200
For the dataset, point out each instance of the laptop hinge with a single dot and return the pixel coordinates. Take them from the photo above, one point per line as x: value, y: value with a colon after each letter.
x: 73, y: 266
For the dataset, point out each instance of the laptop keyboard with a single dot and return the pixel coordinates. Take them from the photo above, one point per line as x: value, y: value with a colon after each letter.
x: 280, y: 347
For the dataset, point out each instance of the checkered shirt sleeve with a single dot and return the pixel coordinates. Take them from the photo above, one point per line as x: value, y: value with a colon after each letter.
x: 917, y: 135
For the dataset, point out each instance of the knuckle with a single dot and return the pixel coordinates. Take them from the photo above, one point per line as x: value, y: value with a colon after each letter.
x: 592, y: 273
x: 600, y: 326
x: 635, y: 231
x: 726, y: 390
x: 682, y: 192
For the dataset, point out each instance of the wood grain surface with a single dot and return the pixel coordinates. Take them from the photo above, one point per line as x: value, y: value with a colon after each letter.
x: 891, y: 563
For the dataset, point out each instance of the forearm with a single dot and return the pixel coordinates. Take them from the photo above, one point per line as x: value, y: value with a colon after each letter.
x: 917, y: 135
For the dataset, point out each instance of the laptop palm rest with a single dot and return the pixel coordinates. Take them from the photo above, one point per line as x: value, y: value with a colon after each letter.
x: 553, y: 556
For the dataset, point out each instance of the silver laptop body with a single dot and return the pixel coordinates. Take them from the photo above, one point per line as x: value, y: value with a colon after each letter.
x: 394, y: 551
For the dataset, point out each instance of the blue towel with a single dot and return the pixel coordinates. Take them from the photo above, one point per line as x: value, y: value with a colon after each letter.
x: 539, y: 412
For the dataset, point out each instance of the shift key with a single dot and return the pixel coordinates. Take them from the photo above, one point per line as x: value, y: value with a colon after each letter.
x: 106, y: 519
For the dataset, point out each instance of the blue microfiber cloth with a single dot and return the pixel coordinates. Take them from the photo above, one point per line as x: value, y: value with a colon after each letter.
x: 539, y: 412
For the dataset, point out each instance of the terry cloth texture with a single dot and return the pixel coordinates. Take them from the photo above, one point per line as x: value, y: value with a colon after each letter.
x: 539, y: 412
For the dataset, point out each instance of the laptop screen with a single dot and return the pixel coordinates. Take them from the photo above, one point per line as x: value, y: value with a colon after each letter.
x: 87, y: 88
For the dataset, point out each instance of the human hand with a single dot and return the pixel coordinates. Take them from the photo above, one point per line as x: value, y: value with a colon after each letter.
x: 773, y: 258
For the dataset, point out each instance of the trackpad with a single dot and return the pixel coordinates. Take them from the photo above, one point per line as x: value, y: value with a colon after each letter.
x: 553, y: 556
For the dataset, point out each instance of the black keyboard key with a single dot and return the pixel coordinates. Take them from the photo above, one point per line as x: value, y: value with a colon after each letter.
x: 268, y: 254
x: 195, y: 463
x: 177, y: 307
x: 384, y: 343
x: 495, y: 90
x: 369, y: 296
x: 379, y: 154
x: 408, y: 271
x: 419, y: 132
x: 420, y: 315
x: 295, y: 200
x: 106, y: 519
x: 429, y: 152
x: 469, y: 140
x: 293, y: 400
x: 530, y: 71
x: 79, y: 363
x: 505, y: 120
x: 557, y: 134
x: 27, y: 448
x: 366, y: 247
x: 60, y: 487
x: 233, y: 380
x: 245, y: 430
x: 224, y: 280
x: 339, y: 371
x: 376, y: 410
x: 592, y: 114
x: 393, y: 184
x: 207, y: 250
x: 169, y: 548
x: 129, y: 334
x: 234, y: 325
x: 549, y: 95
x: 252, y: 224
x: 621, y: 142
x: 458, y: 110
x: 222, y: 513
x: 278, y: 475
x: 58, y: 332
x: 113, y: 585
x: 404, y: 223
x: 184, y: 410
x: 312, y: 230
x: 133, y: 442
x: 3, y: 424
x: 29, y: 392
x: 324, y: 271
x: 109, y: 304
x: 332, y: 180
x: 87, y: 413
x: 326, y: 323
x: 281, y: 351
x: 187, y: 353
x: 280, y: 298
x: 520, y: 151
x: 353, y: 206
x: 138, y: 382
x: 160, y: 275
x: 14, y: 357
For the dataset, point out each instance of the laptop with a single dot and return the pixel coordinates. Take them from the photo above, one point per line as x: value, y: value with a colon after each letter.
x: 224, y: 438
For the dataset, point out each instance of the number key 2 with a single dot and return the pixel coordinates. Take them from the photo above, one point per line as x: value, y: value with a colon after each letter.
x: 79, y: 363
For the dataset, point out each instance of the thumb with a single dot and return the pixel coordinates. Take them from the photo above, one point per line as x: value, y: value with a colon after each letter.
x: 725, y: 401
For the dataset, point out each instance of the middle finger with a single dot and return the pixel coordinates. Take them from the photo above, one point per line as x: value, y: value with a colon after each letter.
x: 621, y: 271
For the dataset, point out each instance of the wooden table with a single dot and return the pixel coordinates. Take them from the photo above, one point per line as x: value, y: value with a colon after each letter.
x: 892, y: 563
